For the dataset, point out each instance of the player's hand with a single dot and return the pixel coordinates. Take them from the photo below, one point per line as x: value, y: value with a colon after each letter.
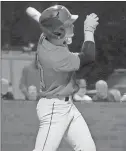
x: 91, y: 22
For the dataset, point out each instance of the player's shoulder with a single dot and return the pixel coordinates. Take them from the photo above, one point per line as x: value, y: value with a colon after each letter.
x: 63, y: 52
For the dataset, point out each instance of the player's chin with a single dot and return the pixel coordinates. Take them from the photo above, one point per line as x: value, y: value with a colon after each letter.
x: 69, y: 40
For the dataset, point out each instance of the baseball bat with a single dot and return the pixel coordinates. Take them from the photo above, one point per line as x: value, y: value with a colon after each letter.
x: 33, y: 13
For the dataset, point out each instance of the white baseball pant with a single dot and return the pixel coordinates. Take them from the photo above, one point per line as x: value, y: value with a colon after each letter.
x: 58, y: 119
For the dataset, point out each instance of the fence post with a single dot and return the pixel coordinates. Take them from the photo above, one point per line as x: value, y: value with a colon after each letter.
x: 11, y: 70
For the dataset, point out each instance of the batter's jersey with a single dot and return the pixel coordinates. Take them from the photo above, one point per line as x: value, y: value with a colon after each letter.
x: 57, y: 65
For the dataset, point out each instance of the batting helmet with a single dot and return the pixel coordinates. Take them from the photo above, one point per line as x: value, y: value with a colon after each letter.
x: 54, y: 21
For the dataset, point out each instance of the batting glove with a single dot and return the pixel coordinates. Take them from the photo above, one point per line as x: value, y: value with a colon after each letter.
x: 91, y: 23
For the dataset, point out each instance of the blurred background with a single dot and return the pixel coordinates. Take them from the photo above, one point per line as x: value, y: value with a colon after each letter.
x: 19, y: 37
x: 20, y: 34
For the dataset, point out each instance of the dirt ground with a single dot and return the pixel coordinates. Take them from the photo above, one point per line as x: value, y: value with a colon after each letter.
x: 106, y: 121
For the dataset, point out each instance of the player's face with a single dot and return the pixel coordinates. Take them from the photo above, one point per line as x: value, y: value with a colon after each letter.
x: 68, y: 35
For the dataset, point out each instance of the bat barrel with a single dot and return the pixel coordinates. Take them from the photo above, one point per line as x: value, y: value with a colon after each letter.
x: 33, y: 13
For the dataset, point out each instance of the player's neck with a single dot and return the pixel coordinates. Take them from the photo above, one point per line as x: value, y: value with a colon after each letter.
x: 57, y: 42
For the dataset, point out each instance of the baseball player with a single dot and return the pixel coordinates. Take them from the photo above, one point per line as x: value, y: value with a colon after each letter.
x: 57, y: 65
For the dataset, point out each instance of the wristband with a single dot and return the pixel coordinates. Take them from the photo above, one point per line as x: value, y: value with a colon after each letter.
x: 89, y: 36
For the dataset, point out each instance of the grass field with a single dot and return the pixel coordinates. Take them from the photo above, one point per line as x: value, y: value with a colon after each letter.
x: 107, y: 123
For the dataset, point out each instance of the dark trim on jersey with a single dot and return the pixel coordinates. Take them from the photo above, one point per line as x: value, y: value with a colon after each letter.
x: 87, y: 54
x: 42, y: 84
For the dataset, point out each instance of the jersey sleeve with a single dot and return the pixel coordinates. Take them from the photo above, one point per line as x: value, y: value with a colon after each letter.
x: 87, y: 54
x: 67, y: 62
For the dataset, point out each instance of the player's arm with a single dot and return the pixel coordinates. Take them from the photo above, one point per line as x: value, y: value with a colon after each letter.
x: 74, y: 61
x: 87, y: 54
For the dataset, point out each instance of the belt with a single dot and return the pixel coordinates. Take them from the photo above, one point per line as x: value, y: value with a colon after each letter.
x: 66, y: 98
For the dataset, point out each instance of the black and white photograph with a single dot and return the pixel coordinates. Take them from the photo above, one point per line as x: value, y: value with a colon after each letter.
x: 63, y: 75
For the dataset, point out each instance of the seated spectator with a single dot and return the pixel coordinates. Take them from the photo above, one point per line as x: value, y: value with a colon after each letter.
x: 32, y: 90
x: 29, y: 48
x: 81, y: 94
x: 7, y: 90
x: 123, y: 98
x: 116, y: 95
x: 30, y: 82
x: 9, y: 95
x: 102, y: 93
x: 4, y: 87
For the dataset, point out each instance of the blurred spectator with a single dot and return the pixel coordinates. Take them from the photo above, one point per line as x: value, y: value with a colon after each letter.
x: 123, y: 98
x: 9, y: 95
x: 116, y: 95
x: 81, y: 94
x: 30, y: 81
x: 4, y: 86
x: 7, y: 90
x: 6, y: 47
x: 32, y: 90
x: 29, y: 48
x: 102, y: 93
